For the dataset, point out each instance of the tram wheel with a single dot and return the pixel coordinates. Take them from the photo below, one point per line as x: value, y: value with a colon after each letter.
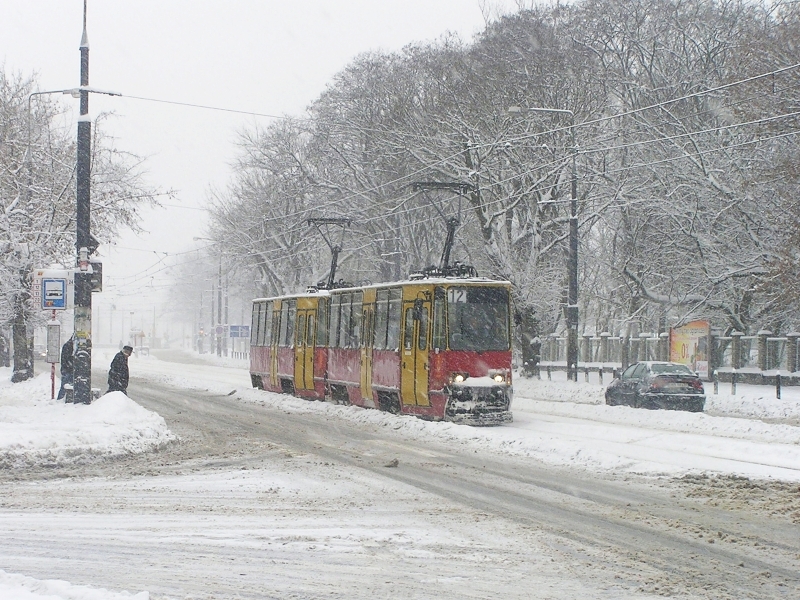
x: 389, y: 403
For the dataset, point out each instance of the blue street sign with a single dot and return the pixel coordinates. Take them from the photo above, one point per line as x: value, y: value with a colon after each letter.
x: 54, y: 294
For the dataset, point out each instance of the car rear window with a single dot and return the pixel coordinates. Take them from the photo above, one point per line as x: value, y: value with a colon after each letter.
x: 662, y: 369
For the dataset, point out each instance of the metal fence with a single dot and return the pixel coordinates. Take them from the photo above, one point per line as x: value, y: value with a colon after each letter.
x: 762, y: 352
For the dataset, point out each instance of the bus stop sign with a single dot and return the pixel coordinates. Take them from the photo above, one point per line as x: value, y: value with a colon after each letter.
x: 54, y: 294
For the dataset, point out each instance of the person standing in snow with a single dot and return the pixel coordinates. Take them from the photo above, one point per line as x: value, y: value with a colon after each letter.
x: 118, y: 373
x: 67, y: 365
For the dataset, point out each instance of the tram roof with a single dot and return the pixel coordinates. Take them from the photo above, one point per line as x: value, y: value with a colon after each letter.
x: 390, y: 284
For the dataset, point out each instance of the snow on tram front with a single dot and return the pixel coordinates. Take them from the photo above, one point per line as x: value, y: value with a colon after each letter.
x: 435, y: 347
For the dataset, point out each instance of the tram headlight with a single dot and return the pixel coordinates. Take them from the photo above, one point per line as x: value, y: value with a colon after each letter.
x: 458, y: 377
x: 499, y: 378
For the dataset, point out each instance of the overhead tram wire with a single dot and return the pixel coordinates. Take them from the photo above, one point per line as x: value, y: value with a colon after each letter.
x: 442, y: 161
x: 421, y: 171
x: 406, y: 211
x: 208, y: 107
x: 481, y: 145
x: 412, y: 176
x: 621, y: 170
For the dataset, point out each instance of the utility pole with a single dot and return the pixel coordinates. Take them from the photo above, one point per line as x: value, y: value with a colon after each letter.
x: 226, y: 323
x: 213, y: 347
x: 84, y: 242
x: 571, y: 309
x: 219, y: 309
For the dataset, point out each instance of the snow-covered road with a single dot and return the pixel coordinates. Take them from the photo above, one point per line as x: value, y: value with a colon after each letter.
x: 551, y: 506
x: 566, y: 423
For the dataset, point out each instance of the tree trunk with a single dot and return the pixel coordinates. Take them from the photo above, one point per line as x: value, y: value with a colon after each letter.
x: 23, y: 347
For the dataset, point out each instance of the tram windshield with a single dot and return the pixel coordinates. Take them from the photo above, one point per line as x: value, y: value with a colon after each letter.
x: 478, y: 318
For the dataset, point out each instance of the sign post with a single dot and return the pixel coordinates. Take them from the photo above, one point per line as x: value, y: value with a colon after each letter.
x: 53, y: 351
x: 52, y: 290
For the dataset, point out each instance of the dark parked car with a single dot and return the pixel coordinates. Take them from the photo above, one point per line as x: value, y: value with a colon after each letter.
x: 671, y: 386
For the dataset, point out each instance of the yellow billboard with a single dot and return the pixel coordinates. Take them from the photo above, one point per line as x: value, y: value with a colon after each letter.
x: 688, y: 345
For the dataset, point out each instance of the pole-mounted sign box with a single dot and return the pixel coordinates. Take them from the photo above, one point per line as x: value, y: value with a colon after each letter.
x: 52, y: 289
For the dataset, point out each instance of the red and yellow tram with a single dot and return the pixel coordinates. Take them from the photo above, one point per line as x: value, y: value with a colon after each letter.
x: 437, y: 348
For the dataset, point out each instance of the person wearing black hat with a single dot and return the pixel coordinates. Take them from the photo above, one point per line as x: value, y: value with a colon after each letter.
x: 118, y: 373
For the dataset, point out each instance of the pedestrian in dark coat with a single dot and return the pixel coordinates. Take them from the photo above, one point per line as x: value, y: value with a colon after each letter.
x: 67, y: 365
x: 118, y: 373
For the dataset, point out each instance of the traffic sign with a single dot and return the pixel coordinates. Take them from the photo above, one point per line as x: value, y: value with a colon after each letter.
x: 239, y: 331
x: 54, y: 294
x: 52, y: 289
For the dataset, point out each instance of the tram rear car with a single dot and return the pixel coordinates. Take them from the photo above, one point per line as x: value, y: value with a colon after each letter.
x: 434, y: 348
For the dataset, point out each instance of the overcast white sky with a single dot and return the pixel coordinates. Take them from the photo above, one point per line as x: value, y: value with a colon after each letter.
x: 264, y: 56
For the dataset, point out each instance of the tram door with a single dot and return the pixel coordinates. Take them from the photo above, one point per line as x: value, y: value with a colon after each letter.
x: 304, y: 350
x: 414, y: 361
x: 367, y: 336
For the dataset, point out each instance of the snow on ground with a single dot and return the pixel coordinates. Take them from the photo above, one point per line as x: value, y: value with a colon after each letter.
x: 566, y: 423
x: 37, y: 430
x: 19, y: 587
x: 750, y: 434
x: 557, y: 422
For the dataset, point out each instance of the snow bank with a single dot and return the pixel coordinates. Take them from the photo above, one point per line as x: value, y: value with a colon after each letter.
x: 35, y: 430
x: 19, y: 587
x: 750, y: 401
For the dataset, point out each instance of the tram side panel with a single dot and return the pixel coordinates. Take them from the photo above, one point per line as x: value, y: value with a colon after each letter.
x: 260, y: 338
x: 344, y: 354
x: 385, y: 340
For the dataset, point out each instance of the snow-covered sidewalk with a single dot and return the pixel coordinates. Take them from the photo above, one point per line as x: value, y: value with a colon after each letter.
x: 35, y: 430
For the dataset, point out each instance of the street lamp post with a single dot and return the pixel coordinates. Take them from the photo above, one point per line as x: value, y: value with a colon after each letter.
x: 218, y: 338
x: 85, y: 244
x: 571, y: 310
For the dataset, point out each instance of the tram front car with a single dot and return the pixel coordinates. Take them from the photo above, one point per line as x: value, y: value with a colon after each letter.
x: 472, y: 352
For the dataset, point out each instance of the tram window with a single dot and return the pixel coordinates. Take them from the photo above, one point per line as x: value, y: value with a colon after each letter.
x: 258, y: 324
x: 394, y: 319
x: 322, y: 322
x: 310, y: 332
x: 254, y: 324
x: 439, y: 329
x: 336, y: 309
x: 344, y: 322
x: 478, y: 318
x: 301, y: 330
x: 291, y: 323
x: 422, y: 342
x: 276, y: 325
x: 265, y: 327
x: 355, y: 320
x: 262, y: 325
x: 381, y: 314
x: 408, y: 335
x: 282, y: 340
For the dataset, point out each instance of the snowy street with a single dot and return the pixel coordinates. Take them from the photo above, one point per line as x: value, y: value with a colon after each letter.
x: 238, y: 493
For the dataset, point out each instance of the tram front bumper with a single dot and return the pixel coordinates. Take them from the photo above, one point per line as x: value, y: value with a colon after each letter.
x: 473, y: 405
